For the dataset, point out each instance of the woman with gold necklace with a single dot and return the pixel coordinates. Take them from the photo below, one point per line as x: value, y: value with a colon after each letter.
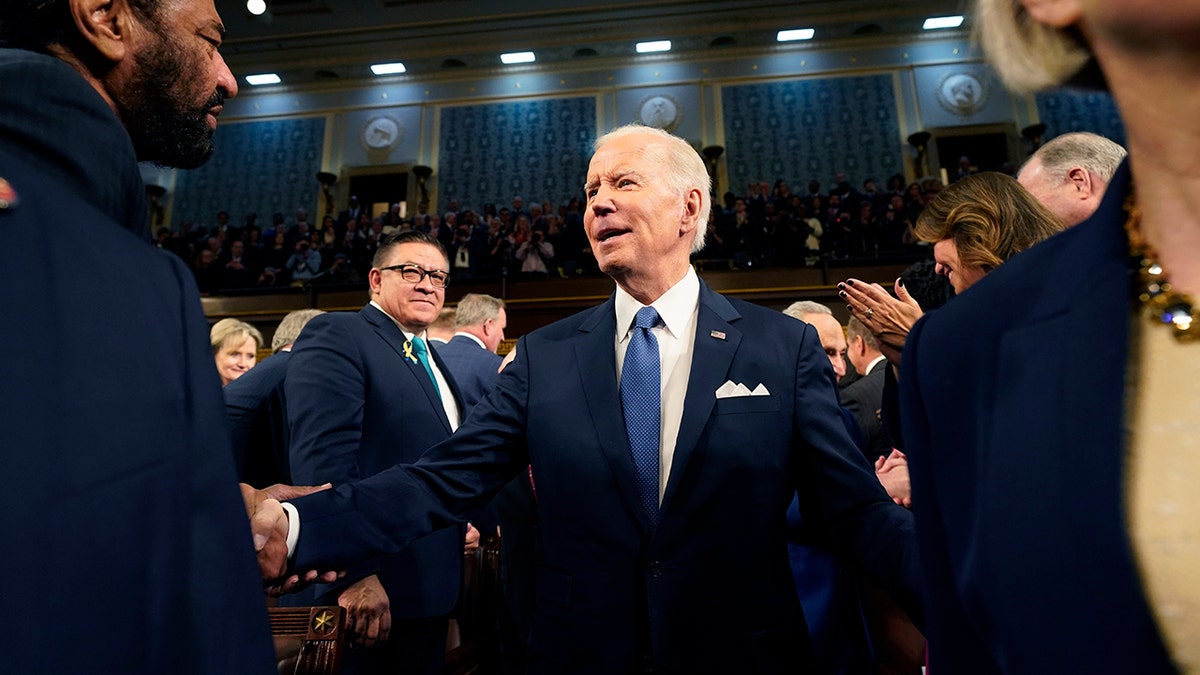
x: 1052, y: 414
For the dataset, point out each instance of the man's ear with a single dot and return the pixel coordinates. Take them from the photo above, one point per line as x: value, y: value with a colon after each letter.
x: 691, y: 211
x: 105, y: 25
x: 1081, y: 178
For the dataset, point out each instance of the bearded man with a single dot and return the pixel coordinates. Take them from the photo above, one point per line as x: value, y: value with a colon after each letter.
x: 121, y: 525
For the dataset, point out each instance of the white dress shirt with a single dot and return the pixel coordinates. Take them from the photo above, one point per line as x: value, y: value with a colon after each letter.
x: 448, y: 403
x: 676, y: 337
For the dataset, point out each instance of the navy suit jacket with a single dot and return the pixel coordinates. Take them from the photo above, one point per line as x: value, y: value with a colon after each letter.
x: 357, y: 406
x: 710, y: 589
x: 1013, y: 404
x: 864, y: 398
x: 257, y: 411
x: 125, y: 541
x: 475, y: 369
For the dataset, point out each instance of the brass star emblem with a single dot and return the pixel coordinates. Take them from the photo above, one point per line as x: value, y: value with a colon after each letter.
x: 324, y: 623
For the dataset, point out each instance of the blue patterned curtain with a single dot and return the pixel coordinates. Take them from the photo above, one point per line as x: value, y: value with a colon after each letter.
x: 261, y: 167
x: 536, y: 149
x: 814, y: 128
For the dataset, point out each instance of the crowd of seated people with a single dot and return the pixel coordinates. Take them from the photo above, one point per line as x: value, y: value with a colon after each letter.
x: 768, y: 225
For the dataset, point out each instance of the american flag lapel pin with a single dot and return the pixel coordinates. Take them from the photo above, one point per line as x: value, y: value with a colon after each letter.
x: 720, y: 335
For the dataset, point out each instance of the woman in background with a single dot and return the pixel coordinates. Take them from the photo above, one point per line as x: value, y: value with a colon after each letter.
x: 235, y: 346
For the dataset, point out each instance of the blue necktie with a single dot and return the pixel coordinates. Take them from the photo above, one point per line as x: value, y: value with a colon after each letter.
x: 641, y: 400
x: 422, y: 353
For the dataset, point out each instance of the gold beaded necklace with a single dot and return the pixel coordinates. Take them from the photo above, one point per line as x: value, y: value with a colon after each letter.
x: 1153, y: 289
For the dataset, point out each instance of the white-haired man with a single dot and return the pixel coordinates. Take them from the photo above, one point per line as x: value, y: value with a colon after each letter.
x: 1070, y: 173
x: 667, y: 430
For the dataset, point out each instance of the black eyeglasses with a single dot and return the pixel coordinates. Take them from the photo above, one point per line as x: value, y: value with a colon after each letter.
x: 413, y: 274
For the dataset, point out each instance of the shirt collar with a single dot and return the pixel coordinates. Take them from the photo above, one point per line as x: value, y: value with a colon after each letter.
x: 468, y: 335
x: 873, y: 363
x: 675, y: 307
x: 407, y: 334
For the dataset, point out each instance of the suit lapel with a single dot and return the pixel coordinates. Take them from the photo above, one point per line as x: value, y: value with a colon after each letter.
x: 596, y: 355
x: 711, y: 358
x: 391, y: 334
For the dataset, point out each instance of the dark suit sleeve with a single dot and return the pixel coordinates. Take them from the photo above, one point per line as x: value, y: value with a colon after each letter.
x: 452, y: 479
x: 954, y: 646
x: 852, y: 505
x: 325, y: 391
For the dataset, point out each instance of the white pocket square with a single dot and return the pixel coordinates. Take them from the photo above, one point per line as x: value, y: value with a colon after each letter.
x: 733, y: 389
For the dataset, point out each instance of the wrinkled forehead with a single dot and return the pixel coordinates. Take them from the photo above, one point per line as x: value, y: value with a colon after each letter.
x: 636, y: 153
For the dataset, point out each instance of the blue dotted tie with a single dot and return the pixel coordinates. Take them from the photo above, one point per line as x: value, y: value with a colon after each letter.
x: 641, y: 399
x: 422, y: 353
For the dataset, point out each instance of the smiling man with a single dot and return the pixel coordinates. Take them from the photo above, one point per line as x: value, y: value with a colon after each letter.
x: 667, y: 430
x: 110, y: 402
x: 364, y: 392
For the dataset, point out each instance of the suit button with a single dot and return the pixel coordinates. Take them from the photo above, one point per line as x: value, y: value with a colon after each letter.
x: 656, y: 570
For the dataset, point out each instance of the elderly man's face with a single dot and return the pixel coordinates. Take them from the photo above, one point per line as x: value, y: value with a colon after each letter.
x: 833, y: 340
x: 171, y: 94
x: 634, y: 219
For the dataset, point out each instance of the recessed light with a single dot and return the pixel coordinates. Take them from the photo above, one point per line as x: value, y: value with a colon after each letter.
x: 655, y: 46
x: 388, y: 68
x: 517, y: 57
x: 263, y: 78
x: 935, y: 22
x: 256, y: 7
x: 795, y: 34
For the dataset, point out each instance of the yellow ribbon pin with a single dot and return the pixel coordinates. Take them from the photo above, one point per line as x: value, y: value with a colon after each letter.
x: 408, y: 352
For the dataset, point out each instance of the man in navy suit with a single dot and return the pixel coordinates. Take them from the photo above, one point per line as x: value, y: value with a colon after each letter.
x: 110, y: 402
x: 257, y: 410
x: 479, y: 322
x: 365, y: 392
x: 674, y: 562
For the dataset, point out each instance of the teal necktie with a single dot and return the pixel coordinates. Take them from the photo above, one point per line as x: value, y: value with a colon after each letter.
x: 422, y: 353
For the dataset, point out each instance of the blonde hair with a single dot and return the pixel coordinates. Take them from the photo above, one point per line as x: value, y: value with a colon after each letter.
x: 226, y: 331
x: 990, y: 217
x: 1029, y: 56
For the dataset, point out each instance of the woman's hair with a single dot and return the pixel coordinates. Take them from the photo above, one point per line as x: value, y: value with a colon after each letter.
x: 227, y: 331
x: 990, y: 217
x: 1030, y: 56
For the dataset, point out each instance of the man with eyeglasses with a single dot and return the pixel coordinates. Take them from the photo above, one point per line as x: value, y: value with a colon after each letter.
x: 366, y: 392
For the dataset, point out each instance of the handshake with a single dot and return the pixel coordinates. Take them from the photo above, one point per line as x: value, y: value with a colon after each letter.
x: 269, y: 526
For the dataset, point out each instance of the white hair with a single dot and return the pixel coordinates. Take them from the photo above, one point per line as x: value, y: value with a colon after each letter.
x: 685, y: 169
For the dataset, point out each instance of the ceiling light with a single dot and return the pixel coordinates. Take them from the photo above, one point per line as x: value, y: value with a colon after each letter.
x: 935, y: 22
x: 655, y: 46
x: 256, y: 7
x: 517, y: 57
x: 795, y: 34
x: 388, y: 68
x: 264, y: 78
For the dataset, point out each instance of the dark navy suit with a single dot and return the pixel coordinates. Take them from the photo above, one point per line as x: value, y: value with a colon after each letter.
x: 125, y: 541
x: 710, y: 589
x: 475, y: 369
x: 1013, y: 403
x: 357, y: 406
x: 257, y: 411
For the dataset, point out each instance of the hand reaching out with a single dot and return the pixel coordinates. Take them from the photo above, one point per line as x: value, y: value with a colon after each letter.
x: 269, y: 527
